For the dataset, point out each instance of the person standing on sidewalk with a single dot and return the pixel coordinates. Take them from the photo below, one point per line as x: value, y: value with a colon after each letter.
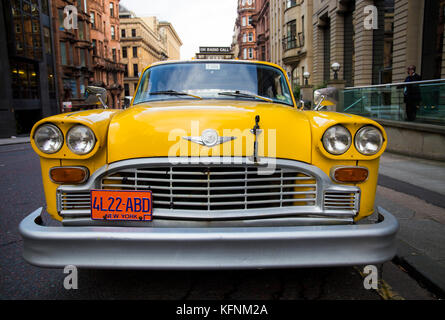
x: 412, y: 93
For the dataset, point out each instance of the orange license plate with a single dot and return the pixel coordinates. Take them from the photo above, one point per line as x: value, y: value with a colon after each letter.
x: 121, y: 205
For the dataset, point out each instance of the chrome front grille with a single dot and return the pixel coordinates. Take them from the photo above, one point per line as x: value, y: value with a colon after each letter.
x: 74, y: 201
x: 203, y: 193
x: 335, y: 200
x: 217, y: 188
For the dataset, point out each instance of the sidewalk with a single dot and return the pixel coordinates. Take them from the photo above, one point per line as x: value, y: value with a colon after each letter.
x: 13, y: 140
x: 414, y: 191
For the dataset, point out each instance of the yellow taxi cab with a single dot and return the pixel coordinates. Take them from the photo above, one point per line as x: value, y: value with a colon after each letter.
x: 213, y: 165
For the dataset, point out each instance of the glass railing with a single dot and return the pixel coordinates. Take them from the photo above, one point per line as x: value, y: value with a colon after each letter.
x: 388, y: 101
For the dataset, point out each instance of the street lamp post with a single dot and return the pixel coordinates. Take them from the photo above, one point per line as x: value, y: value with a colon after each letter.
x: 306, y: 77
x: 336, y: 68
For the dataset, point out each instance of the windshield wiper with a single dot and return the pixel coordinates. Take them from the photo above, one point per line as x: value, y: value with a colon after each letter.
x: 174, y: 93
x: 244, y: 95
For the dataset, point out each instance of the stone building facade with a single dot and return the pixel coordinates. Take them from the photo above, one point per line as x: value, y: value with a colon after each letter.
x: 261, y: 23
x: 144, y: 40
x: 72, y: 50
x: 108, y: 71
x: 313, y: 34
x: 246, y: 40
x: 89, y: 54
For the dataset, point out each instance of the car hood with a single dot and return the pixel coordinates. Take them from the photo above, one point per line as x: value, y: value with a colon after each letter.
x: 157, y: 129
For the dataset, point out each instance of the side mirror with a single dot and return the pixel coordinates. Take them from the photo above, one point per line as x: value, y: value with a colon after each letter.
x: 96, y: 95
x: 325, y: 97
x: 127, y: 101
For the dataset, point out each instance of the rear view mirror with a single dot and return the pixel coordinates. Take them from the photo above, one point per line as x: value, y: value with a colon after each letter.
x: 325, y: 97
x: 127, y: 101
x: 96, y: 95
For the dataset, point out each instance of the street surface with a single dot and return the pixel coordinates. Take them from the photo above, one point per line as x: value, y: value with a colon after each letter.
x: 21, y: 192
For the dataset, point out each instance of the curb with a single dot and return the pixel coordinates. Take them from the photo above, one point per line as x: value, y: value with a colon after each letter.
x: 421, y: 267
x: 12, y: 141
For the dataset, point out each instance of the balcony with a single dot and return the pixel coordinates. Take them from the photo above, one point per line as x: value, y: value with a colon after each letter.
x: 293, y: 49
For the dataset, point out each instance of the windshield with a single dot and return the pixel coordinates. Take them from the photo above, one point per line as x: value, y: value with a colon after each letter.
x: 213, y: 80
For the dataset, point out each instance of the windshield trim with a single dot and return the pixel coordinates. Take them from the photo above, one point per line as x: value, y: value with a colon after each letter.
x: 244, y: 99
x: 262, y: 63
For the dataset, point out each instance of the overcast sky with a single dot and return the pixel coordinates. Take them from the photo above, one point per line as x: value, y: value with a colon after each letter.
x: 197, y: 22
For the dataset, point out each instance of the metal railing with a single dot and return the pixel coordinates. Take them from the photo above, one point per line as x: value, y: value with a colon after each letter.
x: 293, y: 42
x: 388, y: 101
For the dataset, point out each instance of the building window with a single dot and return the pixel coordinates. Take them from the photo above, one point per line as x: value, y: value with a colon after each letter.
x: 111, y: 9
x: 24, y: 78
x: 291, y: 39
x: 72, y: 85
x: 244, y: 21
x: 45, y: 7
x: 94, y: 47
x: 250, y: 36
x: 126, y: 89
x: 113, y: 33
x: 93, y: 20
x: 82, y: 57
x: 125, y: 70
x: 245, y: 53
x: 291, y: 3
x: 249, y: 20
x: 122, y: 33
x: 133, y: 32
x: 135, y: 52
x: 64, y: 60
x: 250, y: 53
x: 244, y: 37
x: 113, y: 52
x: 135, y: 70
x: 81, y: 30
x: 124, y: 52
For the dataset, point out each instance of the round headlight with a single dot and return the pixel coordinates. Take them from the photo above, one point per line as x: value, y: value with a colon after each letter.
x: 48, y: 138
x: 337, y: 140
x: 80, y: 140
x: 368, y: 140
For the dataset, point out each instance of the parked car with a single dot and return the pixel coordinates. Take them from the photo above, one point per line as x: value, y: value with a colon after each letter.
x: 214, y: 165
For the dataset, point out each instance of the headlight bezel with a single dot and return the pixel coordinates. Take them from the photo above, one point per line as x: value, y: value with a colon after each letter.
x: 68, y: 144
x: 356, y: 140
x: 350, y: 140
x: 58, y: 131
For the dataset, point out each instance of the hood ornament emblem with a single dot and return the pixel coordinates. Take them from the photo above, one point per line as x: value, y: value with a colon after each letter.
x: 209, y: 138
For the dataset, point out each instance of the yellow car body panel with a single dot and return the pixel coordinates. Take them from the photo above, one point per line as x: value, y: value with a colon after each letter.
x: 156, y: 129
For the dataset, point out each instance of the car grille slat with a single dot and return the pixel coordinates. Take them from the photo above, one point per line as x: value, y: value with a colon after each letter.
x: 210, y: 192
x: 285, y: 187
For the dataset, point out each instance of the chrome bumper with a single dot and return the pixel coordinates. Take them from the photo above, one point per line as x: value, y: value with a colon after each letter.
x: 208, y: 248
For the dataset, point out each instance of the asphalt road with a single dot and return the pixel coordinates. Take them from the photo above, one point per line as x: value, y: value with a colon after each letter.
x: 21, y: 192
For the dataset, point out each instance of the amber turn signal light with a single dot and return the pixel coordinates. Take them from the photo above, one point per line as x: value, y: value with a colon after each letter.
x: 71, y: 175
x: 350, y: 174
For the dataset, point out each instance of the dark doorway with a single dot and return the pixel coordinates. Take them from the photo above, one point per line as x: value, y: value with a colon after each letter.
x: 433, y: 32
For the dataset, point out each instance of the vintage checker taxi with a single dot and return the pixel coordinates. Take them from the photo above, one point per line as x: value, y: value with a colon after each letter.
x: 212, y: 165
